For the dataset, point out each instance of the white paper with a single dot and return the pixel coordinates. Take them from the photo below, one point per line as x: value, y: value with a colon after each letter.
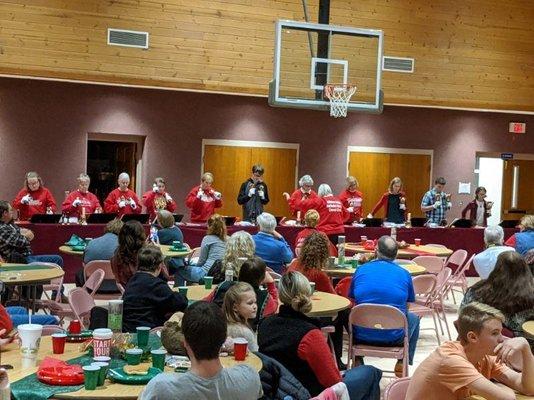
x: 464, y: 187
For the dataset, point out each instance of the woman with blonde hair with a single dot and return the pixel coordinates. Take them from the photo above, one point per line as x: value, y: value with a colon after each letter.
x: 311, y: 219
x: 33, y: 198
x: 523, y: 241
x: 352, y: 199
x: 296, y: 341
x: 240, y: 246
x: 202, y: 200
x: 394, y: 203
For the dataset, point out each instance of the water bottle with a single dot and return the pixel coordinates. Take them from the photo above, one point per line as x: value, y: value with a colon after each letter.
x: 115, y: 315
x: 341, y: 250
x: 49, y: 210
x: 229, y: 275
x: 394, y: 233
x: 154, y: 235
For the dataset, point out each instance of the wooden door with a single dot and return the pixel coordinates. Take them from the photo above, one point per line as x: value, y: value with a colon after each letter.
x: 525, y: 193
x: 374, y: 171
x: 232, y: 165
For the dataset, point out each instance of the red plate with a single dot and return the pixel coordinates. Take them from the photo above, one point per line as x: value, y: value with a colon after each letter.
x: 60, y: 376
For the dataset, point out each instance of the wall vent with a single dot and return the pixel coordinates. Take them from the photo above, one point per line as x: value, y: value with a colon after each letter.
x: 121, y: 37
x: 398, y: 64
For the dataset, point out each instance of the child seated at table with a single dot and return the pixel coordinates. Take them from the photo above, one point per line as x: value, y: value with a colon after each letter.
x: 456, y: 370
x: 239, y: 307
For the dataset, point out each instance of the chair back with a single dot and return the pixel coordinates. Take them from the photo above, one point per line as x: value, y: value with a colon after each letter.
x: 55, y: 284
x: 432, y: 264
x: 194, y: 254
x: 94, y: 281
x: 466, y: 266
x: 50, y: 329
x: 401, y: 261
x: 441, y: 246
x: 457, y: 258
x: 81, y: 303
x: 104, y: 265
x: 397, y: 389
x: 378, y: 316
x: 442, y: 280
x: 424, y: 285
x: 120, y: 287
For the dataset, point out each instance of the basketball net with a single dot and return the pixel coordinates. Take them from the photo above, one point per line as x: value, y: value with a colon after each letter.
x: 339, y: 96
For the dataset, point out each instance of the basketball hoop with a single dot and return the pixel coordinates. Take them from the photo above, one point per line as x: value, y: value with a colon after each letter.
x: 339, y: 95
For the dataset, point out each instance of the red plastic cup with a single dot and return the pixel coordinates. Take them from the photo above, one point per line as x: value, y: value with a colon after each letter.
x: 417, y: 242
x: 363, y: 239
x: 75, y: 326
x: 58, y: 342
x: 240, y: 349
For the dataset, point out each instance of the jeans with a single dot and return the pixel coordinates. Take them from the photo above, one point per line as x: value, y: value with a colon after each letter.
x: 19, y: 315
x: 363, y: 382
x: 188, y: 273
x: 413, y: 336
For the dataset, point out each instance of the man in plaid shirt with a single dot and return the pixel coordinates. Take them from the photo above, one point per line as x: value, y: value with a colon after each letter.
x: 15, y: 242
x: 435, y: 202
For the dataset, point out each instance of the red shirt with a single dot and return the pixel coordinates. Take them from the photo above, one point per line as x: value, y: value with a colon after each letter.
x: 295, y: 201
x: 383, y: 202
x: 5, y: 320
x: 304, y: 233
x: 41, y: 199
x: 204, y: 207
x: 331, y: 211
x: 111, y: 204
x: 354, y: 200
x: 322, y: 281
x: 157, y: 201
x: 89, y: 202
x: 315, y: 351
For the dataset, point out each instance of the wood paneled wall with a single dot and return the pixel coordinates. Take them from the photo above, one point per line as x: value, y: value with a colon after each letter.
x: 468, y: 53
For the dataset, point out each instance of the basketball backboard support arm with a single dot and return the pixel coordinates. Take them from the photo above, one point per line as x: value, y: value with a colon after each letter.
x: 353, y: 56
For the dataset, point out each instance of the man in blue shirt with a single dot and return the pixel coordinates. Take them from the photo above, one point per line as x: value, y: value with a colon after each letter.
x: 383, y: 282
x: 436, y: 202
x: 271, y: 247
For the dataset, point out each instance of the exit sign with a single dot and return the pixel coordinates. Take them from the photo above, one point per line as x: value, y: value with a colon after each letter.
x: 517, y: 127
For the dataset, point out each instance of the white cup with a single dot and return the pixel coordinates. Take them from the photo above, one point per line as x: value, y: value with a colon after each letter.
x: 30, y: 339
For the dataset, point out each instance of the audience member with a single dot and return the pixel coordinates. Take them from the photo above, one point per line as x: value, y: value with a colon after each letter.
x: 311, y: 219
x: 81, y: 202
x: 172, y: 337
x: 212, y: 249
x: 436, y: 202
x: 253, y: 194
x: 239, y: 307
x: 393, y: 202
x: 382, y: 281
x: 331, y: 211
x: 204, y: 330
x: 296, y: 341
x: 270, y: 245
x: 523, y: 241
x: 509, y: 288
x: 352, y: 200
x: 148, y: 300
x: 304, y: 192
x: 33, y: 198
x: 122, y: 200
x: 168, y: 233
x: 479, y: 209
x: 459, y: 369
x: 103, y: 247
x: 158, y: 199
x: 484, y: 262
x: 124, y: 262
x: 202, y: 200
x: 240, y: 247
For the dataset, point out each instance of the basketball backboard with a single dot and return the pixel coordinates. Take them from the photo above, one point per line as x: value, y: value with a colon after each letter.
x: 309, y: 56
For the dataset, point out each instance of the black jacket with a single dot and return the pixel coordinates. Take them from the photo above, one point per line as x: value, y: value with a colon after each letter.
x: 252, y: 206
x: 149, y: 301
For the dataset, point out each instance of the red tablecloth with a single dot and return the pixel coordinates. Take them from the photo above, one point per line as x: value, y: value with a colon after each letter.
x: 48, y: 238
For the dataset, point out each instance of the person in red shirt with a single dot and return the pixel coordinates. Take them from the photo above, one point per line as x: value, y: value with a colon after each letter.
x: 122, y: 200
x: 311, y: 219
x: 158, y: 199
x: 81, y: 202
x: 304, y: 192
x: 394, y: 202
x: 34, y: 198
x: 202, y: 200
x: 352, y: 200
x: 331, y: 211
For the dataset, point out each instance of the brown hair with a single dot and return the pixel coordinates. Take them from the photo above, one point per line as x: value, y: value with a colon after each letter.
x: 159, y: 179
x: 234, y: 296
x: 393, y: 182
x: 473, y: 316
x: 114, y: 226
x: 217, y: 227
x: 314, y: 252
x: 132, y: 237
x: 311, y: 218
x: 165, y: 218
x: 295, y: 291
x: 172, y: 338
x: 30, y: 175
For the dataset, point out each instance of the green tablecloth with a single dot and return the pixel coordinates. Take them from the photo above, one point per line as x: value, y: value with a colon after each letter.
x: 24, y: 267
x: 29, y: 388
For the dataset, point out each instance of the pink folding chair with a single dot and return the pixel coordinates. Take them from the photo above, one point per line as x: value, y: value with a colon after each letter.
x: 458, y: 277
x: 397, y: 389
x: 93, y: 282
x: 81, y: 303
x: 50, y: 329
x: 424, y: 287
x: 55, y: 284
x: 432, y: 264
x: 104, y: 265
x: 378, y: 316
x: 438, y: 296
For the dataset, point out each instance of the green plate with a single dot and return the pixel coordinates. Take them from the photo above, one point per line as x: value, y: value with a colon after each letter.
x: 179, y: 249
x: 78, y: 248
x: 118, y: 375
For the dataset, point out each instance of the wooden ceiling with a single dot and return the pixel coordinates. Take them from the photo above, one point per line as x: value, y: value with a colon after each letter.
x: 468, y: 53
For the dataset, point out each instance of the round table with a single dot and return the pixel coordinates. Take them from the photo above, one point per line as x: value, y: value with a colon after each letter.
x: 110, y: 390
x: 167, y: 252
x: 409, y: 252
x: 323, y: 304
x: 68, y: 250
x: 413, y: 269
x: 528, y: 327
